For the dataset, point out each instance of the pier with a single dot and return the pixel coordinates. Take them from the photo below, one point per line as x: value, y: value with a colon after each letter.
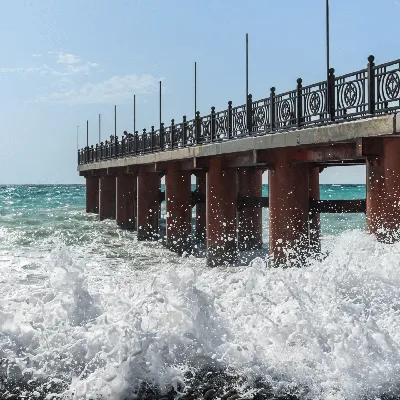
x: 345, y: 120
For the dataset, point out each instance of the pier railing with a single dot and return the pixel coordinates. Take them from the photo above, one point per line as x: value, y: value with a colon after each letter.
x: 371, y: 91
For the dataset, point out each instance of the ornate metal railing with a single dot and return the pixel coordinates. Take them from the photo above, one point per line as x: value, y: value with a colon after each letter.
x: 371, y: 91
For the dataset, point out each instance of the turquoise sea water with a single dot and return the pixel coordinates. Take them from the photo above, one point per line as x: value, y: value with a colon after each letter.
x: 38, y: 212
x: 88, y: 312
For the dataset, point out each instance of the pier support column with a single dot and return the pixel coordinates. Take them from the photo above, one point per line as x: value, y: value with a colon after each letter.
x: 148, y: 204
x: 383, y: 192
x: 107, y: 195
x: 221, y: 207
x: 92, y: 194
x: 179, y: 208
x: 126, y: 200
x: 288, y: 209
x: 314, y: 221
x: 249, y: 218
x: 201, y: 179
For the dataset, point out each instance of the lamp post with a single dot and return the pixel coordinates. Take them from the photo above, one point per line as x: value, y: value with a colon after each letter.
x: 77, y: 134
x: 327, y: 39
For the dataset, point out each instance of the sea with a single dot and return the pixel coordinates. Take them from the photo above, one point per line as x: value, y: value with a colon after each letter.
x: 88, y: 312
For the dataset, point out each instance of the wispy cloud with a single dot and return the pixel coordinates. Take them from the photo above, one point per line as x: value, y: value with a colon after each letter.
x: 114, y: 90
x: 19, y: 70
x: 66, y: 58
x: 36, y: 55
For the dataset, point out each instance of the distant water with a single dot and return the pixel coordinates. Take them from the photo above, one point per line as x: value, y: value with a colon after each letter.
x: 88, y: 312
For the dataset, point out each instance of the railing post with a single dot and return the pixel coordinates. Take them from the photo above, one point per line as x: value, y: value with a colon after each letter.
x: 97, y: 152
x: 197, y: 128
x: 172, y: 132
x: 101, y: 150
x: 272, y: 111
x: 212, y: 133
x: 184, y: 132
x: 152, y: 139
x: 79, y: 155
x: 144, y: 138
x: 162, y: 137
x: 91, y: 154
x: 371, y: 84
x: 331, y: 94
x: 299, y: 102
x: 135, y: 142
x: 249, y: 113
x: 229, y: 119
x: 116, y: 144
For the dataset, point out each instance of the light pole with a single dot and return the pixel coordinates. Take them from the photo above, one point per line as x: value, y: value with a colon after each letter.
x: 77, y: 134
x: 327, y: 39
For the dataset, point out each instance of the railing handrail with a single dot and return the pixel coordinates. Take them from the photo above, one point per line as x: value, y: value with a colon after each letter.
x: 369, y: 91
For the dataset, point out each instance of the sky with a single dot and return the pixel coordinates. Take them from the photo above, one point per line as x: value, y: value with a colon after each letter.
x: 64, y: 62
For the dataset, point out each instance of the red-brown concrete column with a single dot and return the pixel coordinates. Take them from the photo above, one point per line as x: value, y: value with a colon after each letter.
x: 383, y: 193
x: 148, y: 204
x: 288, y: 209
x: 126, y: 200
x: 179, y: 208
x: 314, y: 221
x: 107, y: 194
x: 92, y: 194
x: 249, y: 218
x: 221, y: 216
x: 201, y: 187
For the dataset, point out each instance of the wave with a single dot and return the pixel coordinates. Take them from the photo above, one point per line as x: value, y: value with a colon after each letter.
x: 154, y: 321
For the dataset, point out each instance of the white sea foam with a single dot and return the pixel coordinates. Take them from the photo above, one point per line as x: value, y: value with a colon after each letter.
x: 332, y: 327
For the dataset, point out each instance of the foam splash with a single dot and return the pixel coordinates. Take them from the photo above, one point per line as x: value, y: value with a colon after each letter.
x: 330, y: 329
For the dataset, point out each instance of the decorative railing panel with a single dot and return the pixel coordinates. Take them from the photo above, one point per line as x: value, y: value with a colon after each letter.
x: 261, y: 122
x: 178, y: 136
x: 239, y: 122
x: 351, y: 95
x: 314, y: 104
x: 221, y: 125
x: 205, y: 130
x: 371, y: 91
x: 285, y: 110
x: 190, y: 132
x: 387, y: 87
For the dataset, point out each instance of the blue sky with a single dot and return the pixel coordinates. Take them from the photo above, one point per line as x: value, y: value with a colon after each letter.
x: 67, y: 61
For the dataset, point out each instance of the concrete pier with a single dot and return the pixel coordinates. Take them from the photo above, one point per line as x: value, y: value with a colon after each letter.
x: 383, y: 190
x: 288, y: 208
x: 250, y: 217
x: 201, y: 189
x: 221, y: 213
x: 148, y: 204
x: 126, y: 200
x: 314, y: 218
x: 107, y: 197
x: 178, y: 207
x: 92, y: 194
